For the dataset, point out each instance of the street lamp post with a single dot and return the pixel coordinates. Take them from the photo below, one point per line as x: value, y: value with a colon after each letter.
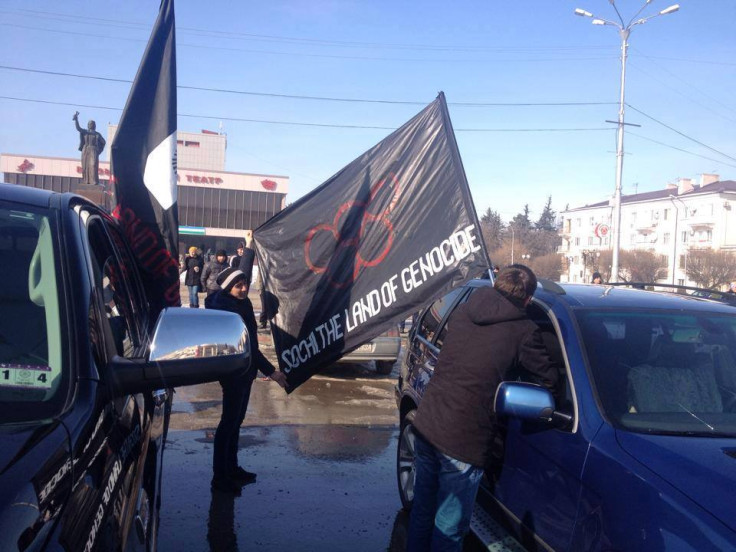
x: 512, y: 243
x: 624, y: 31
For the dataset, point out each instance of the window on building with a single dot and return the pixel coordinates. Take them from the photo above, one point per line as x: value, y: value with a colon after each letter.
x: 666, y: 214
x: 578, y: 222
x: 665, y: 238
x: 577, y: 241
x: 709, y: 235
x: 590, y: 240
x: 592, y: 221
x: 681, y: 262
x: 684, y: 236
x: 191, y: 144
x: 680, y: 282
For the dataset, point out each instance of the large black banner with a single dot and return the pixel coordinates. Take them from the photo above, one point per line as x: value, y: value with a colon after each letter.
x: 391, y: 231
x: 143, y: 156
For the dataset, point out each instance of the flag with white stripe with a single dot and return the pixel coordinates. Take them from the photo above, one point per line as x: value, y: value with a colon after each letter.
x: 143, y: 162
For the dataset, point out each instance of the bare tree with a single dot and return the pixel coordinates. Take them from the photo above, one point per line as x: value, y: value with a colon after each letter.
x: 600, y: 263
x: 547, y: 266
x: 710, y: 268
x: 639, y: 265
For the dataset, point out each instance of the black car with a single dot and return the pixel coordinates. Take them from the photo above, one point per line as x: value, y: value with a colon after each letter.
x: 86, y: 377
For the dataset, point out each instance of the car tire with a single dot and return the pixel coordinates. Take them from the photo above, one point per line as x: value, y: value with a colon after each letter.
x: 405, y: 457
x: 384, y: 367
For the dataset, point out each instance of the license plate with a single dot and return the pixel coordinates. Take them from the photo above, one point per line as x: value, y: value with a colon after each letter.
x: 367, y: 348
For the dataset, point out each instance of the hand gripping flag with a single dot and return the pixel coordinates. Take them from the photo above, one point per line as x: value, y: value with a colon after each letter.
x: 391, y: 231
x: 144, y: 165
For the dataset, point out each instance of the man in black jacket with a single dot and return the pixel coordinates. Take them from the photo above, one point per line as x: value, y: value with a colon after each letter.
x: 233, y: 297
x: 489, y: 339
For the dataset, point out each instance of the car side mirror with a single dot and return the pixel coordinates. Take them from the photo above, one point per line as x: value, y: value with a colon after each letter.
x: 189, y: 346
x: 528, y: 401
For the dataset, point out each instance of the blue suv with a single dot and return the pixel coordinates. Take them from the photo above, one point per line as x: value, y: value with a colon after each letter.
x: 637, y: 452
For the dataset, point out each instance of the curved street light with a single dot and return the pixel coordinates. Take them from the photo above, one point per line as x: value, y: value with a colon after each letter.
x: 624, y: 30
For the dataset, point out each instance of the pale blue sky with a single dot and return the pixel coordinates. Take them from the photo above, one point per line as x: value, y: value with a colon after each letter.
x: 681, y: 72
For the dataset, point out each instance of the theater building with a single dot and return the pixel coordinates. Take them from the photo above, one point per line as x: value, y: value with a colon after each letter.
x: 216, y: 207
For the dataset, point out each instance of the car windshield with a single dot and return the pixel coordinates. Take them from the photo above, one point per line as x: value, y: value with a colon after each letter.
x: 660, y: 372
x: 30, y: 333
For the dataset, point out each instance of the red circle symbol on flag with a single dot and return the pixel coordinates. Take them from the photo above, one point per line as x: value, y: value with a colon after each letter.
x: 602, y: 230
x: 268, y: 184
x: 348, y: 247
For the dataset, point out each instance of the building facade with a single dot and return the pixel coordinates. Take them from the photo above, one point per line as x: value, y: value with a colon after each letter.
x: 216, y: 207
x: 669, y: 222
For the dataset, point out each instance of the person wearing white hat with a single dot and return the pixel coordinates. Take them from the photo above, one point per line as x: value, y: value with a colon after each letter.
x: 233, y: 296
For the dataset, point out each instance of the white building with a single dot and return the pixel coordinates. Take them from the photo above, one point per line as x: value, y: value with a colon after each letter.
x: 668, y: 222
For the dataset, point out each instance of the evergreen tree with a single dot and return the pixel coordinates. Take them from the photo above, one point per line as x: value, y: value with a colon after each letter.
x: 546, y: 220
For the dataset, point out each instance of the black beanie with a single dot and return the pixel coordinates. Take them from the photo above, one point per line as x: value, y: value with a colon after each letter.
x: 221, y: 253
x: 229, y: 277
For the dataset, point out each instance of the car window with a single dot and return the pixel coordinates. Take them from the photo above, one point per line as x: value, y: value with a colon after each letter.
x: 32, y: 370
x: 446, y: 326
x: 430, y: 322
x: 112, y: 290
x: 663, y: 372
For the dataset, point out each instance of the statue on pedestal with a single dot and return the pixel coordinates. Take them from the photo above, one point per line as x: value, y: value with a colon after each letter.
x: 91, y: 144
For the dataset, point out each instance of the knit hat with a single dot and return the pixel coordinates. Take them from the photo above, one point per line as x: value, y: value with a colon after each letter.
x: 192, y: 250
x: 241, y: 245
x: 229, y: 277
x: 221, y: 253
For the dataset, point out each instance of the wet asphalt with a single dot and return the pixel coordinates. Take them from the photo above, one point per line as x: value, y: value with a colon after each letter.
x: 325, y: 458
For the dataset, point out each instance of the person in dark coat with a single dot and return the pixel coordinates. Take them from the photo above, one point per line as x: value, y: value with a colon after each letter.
x: 233, y: 297
x: 489, y: 340
x: 596, y: 278
x: 211, y: 271
x: 235, y: 260
x: 193, y: 264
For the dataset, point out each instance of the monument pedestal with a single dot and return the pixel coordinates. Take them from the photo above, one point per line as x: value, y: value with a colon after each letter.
x: 96, y: 194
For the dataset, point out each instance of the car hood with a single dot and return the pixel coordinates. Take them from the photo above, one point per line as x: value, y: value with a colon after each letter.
x: 703, y: 468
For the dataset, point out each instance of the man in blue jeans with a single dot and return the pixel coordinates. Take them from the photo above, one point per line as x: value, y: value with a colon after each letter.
x: 489, y: 340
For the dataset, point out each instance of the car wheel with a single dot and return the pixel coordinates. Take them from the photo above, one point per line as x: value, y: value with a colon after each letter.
x: 384, y: 367
x: 405, y: 457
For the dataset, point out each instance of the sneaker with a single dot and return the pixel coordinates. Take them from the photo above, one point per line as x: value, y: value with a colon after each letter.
x: 242, y: 476
x: 225, y: 485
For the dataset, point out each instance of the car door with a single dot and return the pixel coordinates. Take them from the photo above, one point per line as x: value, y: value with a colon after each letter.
x: 423, y: 346
x: 110, y: 452
x: 538, y: 485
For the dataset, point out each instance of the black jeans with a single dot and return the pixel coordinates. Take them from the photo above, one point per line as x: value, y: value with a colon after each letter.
x: 235, y: 395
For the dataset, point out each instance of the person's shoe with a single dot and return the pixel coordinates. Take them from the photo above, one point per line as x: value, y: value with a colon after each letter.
x: 242, y: 476
x: 225, y: 485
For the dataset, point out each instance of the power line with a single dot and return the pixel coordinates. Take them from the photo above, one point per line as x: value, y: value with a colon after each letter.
x: 297, y: 123
x: 680, y: 80
x: 305, y: 54
x: 299, y: 40
x: 318, y: 98
x: 678, y: 149
x: 681, y: 133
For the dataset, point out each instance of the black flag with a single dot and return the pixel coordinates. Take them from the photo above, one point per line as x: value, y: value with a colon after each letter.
x: 391, y: 231
x: 143, y: 163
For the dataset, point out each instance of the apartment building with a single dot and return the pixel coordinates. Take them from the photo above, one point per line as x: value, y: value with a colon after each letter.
x: 670, y: 222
